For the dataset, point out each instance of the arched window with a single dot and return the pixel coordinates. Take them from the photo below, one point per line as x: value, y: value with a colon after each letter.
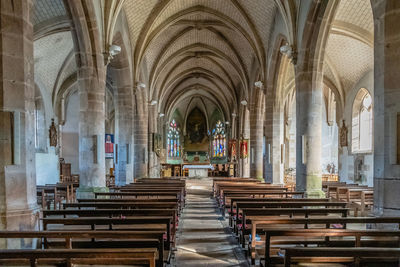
x: 362, y: 122
x: 173, y: 140
x: 219, y: 140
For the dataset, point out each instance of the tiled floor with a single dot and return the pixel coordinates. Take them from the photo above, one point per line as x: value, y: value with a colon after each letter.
x: 204, y: 238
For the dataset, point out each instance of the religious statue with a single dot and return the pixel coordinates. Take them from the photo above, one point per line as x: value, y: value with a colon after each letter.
x: 343, y: 135
x: 53, y: 134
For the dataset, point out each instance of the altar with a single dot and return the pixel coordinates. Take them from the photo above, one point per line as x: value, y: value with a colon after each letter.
x: 199, y: 170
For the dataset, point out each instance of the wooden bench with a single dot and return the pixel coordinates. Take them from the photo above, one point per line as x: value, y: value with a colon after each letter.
x: 82, y: 256
x: 110, y: 213
x: 123, y: 205
x: 346, y: 255
x: 94, y: 239
x: 360, y: 199
x: 334, y: 191
x: 233, y: 180
x: 220, y: 186
x: 276, y: 239
x: 233, y: 200
x: 286, y: 204
x: 269, y: 192
x: 289, y: 212
x: 256, y: 194
x: 260, y: 224
x: 147, y: 193
x: 91, y: 223
x: 54, y: 194
x: 149, y: 187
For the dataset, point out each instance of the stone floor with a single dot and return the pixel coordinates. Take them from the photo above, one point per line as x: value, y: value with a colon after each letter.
x: 204, y: 238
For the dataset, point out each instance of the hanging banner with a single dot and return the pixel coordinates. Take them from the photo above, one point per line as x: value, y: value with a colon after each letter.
x: 109, y: 142
x: 244, y: 148
x: 232, y: 149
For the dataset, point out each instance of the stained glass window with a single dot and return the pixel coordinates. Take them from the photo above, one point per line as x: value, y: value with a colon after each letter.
x: 173, y: 140
x: 219, y: 140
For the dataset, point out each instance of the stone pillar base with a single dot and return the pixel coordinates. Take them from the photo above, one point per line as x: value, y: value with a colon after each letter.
x: 315, y: 194
x: 20, y: 220
x: 84, y: 192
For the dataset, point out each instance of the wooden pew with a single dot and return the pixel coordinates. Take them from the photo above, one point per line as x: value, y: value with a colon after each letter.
x: 93, y: 239
x: 377, y: 255
x: 289, y: 212
x: 323, y: 237
x: 260, y: 224
x: 233, y: 180
x: 46, y: 196
x: 233, y: 200
x: 91, y: 223
x: 325, y: 184
x: 111, y: 213
x: 99, y: 204
x: 156, y: 187
x: 221, y: 187
x: 267, y: 209
x: 360, y: 199
x: 273, y: 208
x: 286, y: 204
x: 138, y: 194
x: 333, y: 192
x: 122, y: 203
x: 55, y: 194
x: 256, y: 194
x: 143, y: 194
x: 83, y: 256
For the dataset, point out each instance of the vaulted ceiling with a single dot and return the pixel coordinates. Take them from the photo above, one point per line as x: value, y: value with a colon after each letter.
x: 209, y: 49
x: 213, y: 49
x: 349, y: 51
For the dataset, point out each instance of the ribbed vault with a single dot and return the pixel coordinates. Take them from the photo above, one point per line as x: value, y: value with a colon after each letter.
x: 211, y: 49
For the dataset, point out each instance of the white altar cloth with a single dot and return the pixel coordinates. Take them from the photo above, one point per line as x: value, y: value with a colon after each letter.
x: 198, y: 170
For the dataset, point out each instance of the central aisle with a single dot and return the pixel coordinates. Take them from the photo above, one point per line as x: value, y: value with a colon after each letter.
x: 204, y: 238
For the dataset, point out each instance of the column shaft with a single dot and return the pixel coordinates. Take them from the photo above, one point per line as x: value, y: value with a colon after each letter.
x: 386, y: 107
x: 308, y: 135
x: 256, y: 143
x: 18, y: 207
x: 91, y: 130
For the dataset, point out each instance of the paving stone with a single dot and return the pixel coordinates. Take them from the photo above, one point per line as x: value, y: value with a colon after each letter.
x: 202, y: 238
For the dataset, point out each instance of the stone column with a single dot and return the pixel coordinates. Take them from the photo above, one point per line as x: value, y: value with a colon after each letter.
x: 140, y: 135
x: 245, y: 134
x: 256, y: 140
x: 274, y: 123
x: 18, y: 204
x: 268, y: 174
x: 386, y: 107
x: 92, y: 177
x: 233, y: 126
x: 276, y: 147
x: 308, y: 134
x: 123, y: 125
x: 154, y: 166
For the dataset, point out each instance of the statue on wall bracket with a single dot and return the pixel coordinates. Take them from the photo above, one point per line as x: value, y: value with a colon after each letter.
x: 53, y: 134
x: 343, y: 135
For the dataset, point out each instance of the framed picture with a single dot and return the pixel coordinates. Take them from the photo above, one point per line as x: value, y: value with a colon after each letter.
x: 244, y: 148
x: 109, y: 143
